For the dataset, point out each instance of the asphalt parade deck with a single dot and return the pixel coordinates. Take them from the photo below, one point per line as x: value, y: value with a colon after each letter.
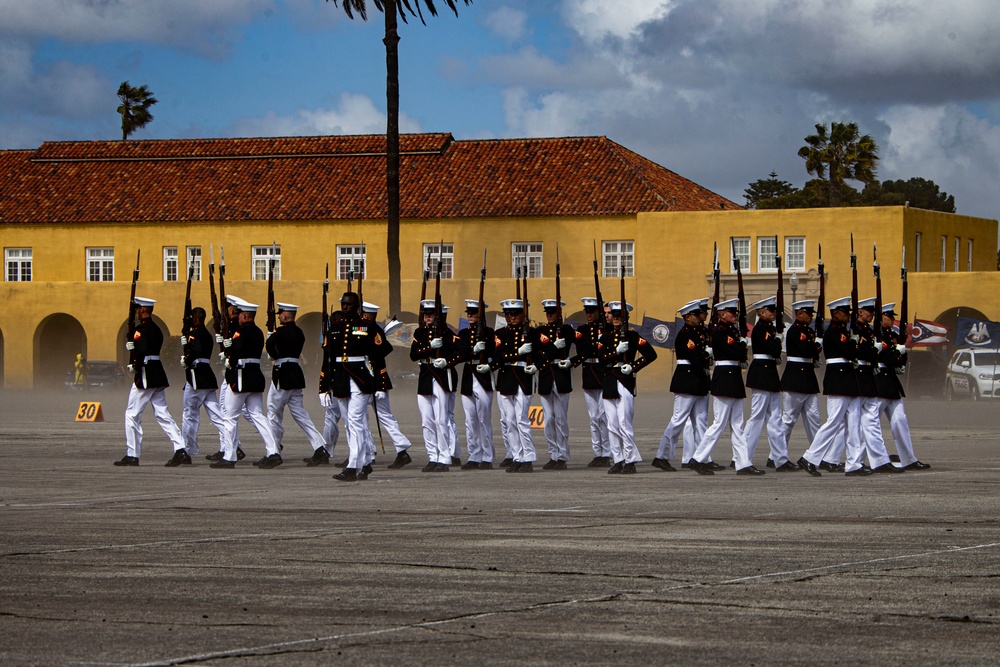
x: 163, y: 566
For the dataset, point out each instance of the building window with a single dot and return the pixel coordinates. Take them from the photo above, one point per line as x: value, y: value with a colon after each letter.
x: 958, y: 251
x: 18, y: 261
x: 619, y: 258
x: 100, y: 265
x: 529, y: 254
x: 968, y: 255
x: 446, y: 253
x: 349, y: 258
x: 944, y: 254
x: 741, y: 248
x: 795, y: 253
x: 170, y: 264
x: 767, y: 247
x: 916, y: 263
x: 194, y: 260
x: 261, y: 256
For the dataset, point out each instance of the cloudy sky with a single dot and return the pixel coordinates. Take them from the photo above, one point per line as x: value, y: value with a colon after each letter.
x: 720, y: 91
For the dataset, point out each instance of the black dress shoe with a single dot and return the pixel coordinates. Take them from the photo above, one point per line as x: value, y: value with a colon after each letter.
x: 455, y: 461
x: 560, y: 465
x: 269, y: 462
x: 769, y: 464
x: 732, y: 464
x: 894, y: 458
x: 320, y: 457
x: 750, y: 470
x: 506, y: 463
x: 702, y: 468
x: 259, y: 462
x: 616, y: 469
x: 402, y: 459
x: 787, y: 466
x: 127, y: 461
x: 441, y: 467
x: 486, y: 465
x: 470, y: 465
x: 831, y: 467
x: 215, y: 457
x: 917, y: 465
x: 550, y: 465
x: 180, y: 457
x: 887, y: 468
x: 367, y: 469
x: 229, y: 465
x: 712, y: 465
x: 809, y: 467
x: 240, y: 454
x: 514, y: 465
x: 664, y: 465
x: 524, y: 466
x: 347, y: 475
x: 628, y: 469
x: 342, y: 464
x: 863, y: 471
x: 596, y: 462
x: 684, y: 466
x: 429, y: 467
x: 362, y: 476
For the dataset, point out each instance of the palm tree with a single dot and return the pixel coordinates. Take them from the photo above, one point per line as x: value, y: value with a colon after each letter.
x: 843, y: 154
x: 134, y: 108
x: 392, y: 8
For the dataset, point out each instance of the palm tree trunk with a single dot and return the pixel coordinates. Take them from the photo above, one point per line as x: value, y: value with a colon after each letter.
x: 391, y: 42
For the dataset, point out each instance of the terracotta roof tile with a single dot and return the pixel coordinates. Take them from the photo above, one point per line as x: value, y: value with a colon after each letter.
x: 335, y: 178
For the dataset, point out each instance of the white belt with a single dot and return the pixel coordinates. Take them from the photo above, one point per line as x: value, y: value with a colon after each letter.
x: 516, y: 363
x: 195, y: 362
x: 351, y: 360
x: 763, y: 357
x: 863, y: 363
x: 150, y: 358
x: 727, y: 362
x: 882, y: 367
x: 683, y: 362
x: 244, y: 362
x: 592, y: 360
x: 286, y: 360
x: 838, y: 360
x: 800, y: 360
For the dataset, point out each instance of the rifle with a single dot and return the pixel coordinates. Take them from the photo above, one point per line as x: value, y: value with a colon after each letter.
x: 517, y: 281
x: 272, y: 312
x: 877, y: 319
x: 326, y: 307
x: 621, y: 275
x: 715, y: 297
x: 597, y: 289
x: 904, y: 328
x: 132, y: 308
x: 820, y: 312
x: 524, y: 280
x: 361, y: 278
x: 559, y: 313
x: 739, y: 291
x: 350, y: 280
x: 481, y: 328
x: 438, y: 306
x: 854, y: 288
x: 427, y: 273
x: 779, y: 318
x: 222, y: 293
x: 216, y: 315
x: 186, y: 321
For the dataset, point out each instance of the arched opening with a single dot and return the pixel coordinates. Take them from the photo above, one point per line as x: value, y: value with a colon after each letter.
x: 928, y: 363
x: 58, y: 339
x: 312, y: 352
x: 1, y: 359
x: 171, y: 349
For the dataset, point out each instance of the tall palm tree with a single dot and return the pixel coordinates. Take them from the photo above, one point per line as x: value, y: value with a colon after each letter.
x: 843, y: 154
x: 391, y: 9
x: 134, y: 108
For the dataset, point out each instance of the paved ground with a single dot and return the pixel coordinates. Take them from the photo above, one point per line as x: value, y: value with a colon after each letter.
x: 151, y: 565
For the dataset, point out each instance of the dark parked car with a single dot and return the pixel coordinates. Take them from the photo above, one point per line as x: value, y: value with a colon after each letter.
x: 100, y: 375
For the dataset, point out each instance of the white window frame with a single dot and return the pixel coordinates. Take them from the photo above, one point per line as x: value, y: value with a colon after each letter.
x: 350, y: 257
x: 100, y: 264
x: 738, y: 242
x: 260, y: 257
x: 968, y: 259
x: 799, y: 255
x: 916, y: 262
x: 193, y: 254
x: 529, y: 252
x: 958, y: 252
x: 447, y: 256
x: 944, y: 254
x: 617, y: 252
x: 20, y: 261
x: 765, y: 258
x: 171, y: 270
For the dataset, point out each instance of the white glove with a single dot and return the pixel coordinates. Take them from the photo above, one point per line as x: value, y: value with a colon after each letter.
x: 564, y: 363
x: 227, y: 343
x: 780, y: 337
x: 855, y: 337
x: 440, y: 362
x: 227, y: 363
x: 745, y: 340
x: 184, y: 341
x: 325, y: 400
x: 560, y: 343
x: 622, y: 347
x: 269, y: 334
x: 437, y: 343
x: 483, y: 368
x: 709, y: 352
x: 524, y: 349
x: 901, y: 349
x: 183, y: 363
x: 479, y: 347
x: 130, y: 368
x: 531, y: 369
x: 130, y: 346
x: 626, y: 369
x: 218, y: 338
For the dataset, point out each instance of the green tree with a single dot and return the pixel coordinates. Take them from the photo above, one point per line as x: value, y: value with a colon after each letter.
x: 838, y: 155
x: 134, y: 108
x: 814, y: 194
x: 390, y: 9
x: 767, y: 188
x: 922, y: 193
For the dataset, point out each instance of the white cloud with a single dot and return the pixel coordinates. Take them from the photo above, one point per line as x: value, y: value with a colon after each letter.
x: 509, y: 24
x: 58, y: 88
x: 595, y: 20
x: 355, y: 114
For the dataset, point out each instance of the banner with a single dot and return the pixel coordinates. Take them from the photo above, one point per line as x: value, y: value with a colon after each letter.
x: 924, y: 333
x: 658, y: 332
x: 977, y: 333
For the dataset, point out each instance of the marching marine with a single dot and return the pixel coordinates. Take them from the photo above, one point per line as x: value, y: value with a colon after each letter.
x: 588, y: 336
x: 435, y: 350
x: 763, y: 379
x: 555, y: 382
x: 799, y: 386
x: 383, y: 385
x: 201, y: 385
x: 517, y: 362
x: 477, y: 343
x: 892, y: 362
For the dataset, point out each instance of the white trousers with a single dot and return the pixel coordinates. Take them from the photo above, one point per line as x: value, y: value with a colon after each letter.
x: 620, y: 412
x: 728, y: 412
x: 389, y: 423
x: 456, y: 452
x: 843, y: 415
x: 434, y: 423
x: 694, y: 429
x: 900, y: 426
x: 224, y: 391
x: 599, y: 439
x: 479, y: 423
x: 685, y: 406
x: 556, y: 429
x: 514, y: 413
x: 765, y: 408
x: 253, y: 404
x: 795, y: 405
x: 354, y: 410
x: 277, y: 400
x: 331, y: 432
x: 194, y: 401
x: 869, y: 435
x: 138, y: 399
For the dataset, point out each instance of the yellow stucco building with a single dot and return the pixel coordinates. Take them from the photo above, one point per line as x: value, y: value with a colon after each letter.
x: 74, y: 215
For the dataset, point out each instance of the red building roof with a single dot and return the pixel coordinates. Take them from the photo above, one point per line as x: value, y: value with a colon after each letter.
x: 335, y: 178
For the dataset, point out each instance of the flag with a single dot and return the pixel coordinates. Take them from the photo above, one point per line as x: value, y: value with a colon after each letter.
x: 924, y: 333
x: 977, y: 333
x: 658, y: 332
